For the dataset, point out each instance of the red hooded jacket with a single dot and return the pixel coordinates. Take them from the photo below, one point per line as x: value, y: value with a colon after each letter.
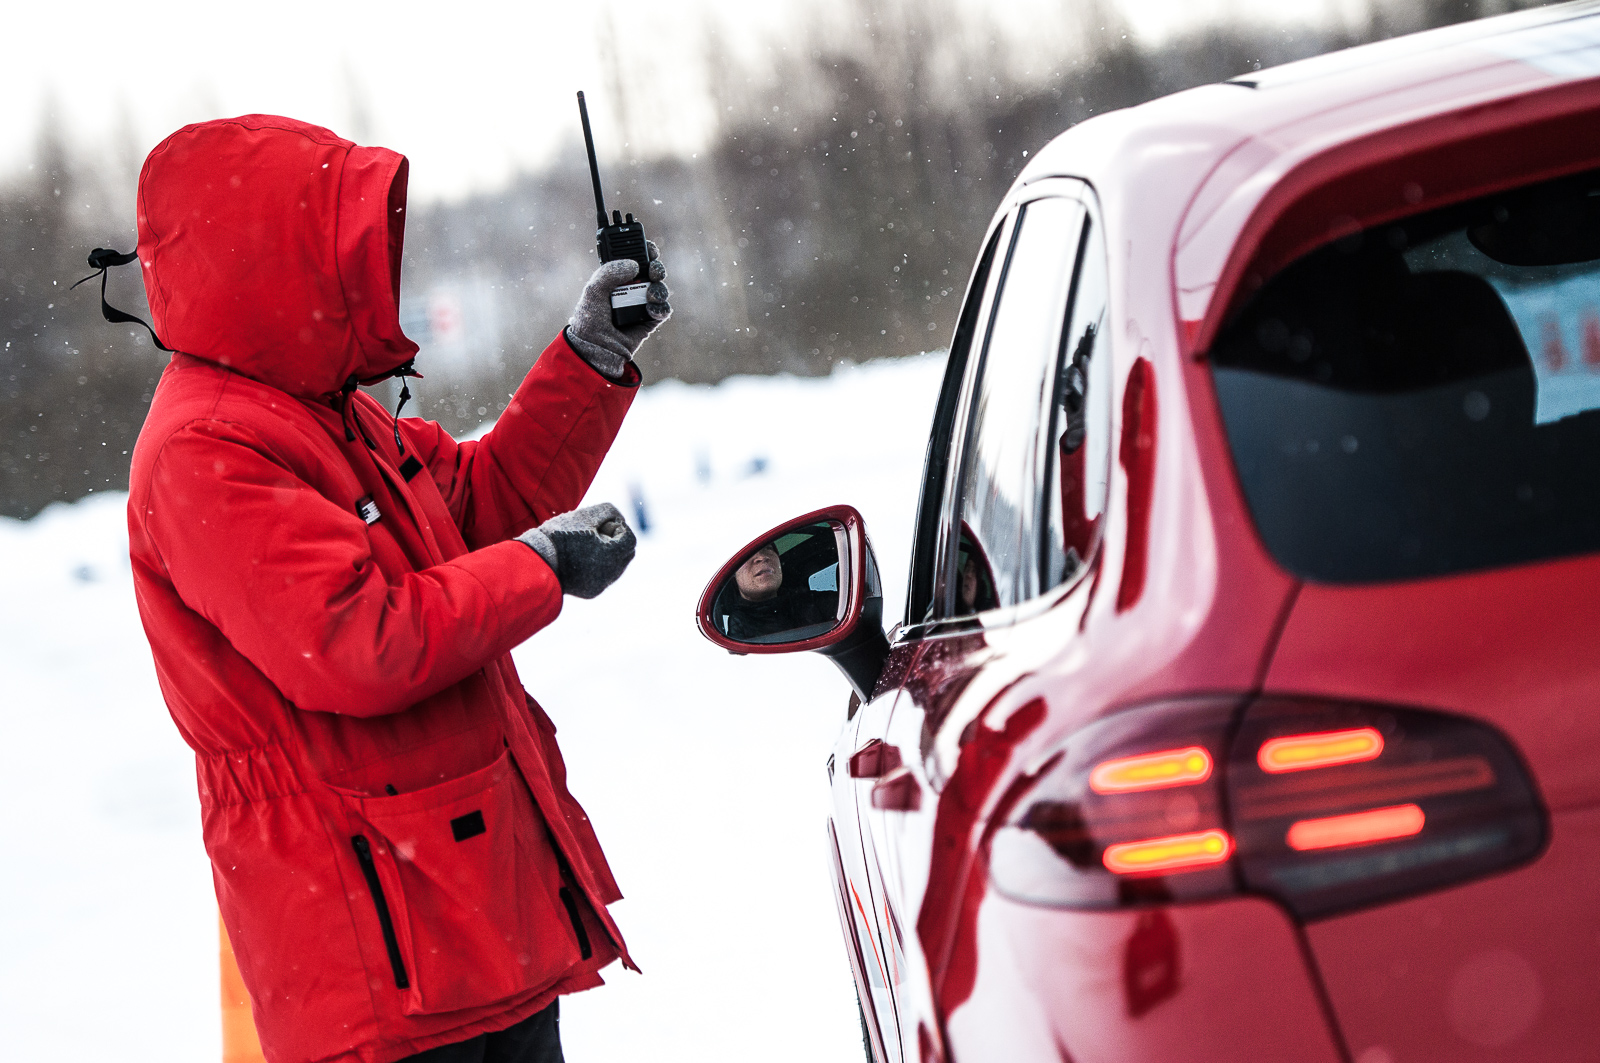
x: 396, y: 856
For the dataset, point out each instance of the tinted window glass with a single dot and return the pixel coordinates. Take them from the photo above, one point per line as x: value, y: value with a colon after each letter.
x: 1424, y: 398
x: 1077, y: 450
x: 924, y: 551
x: 996, y: 559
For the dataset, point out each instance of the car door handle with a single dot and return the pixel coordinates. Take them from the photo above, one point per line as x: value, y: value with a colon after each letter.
x: 897, y: 792
x: 874, y: 760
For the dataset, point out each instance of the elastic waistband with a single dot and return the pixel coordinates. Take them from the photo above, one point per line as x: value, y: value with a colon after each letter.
x: 240, y: 776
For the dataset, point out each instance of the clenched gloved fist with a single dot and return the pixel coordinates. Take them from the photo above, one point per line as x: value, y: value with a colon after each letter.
x: 591, y: 333
x: 587, y: 548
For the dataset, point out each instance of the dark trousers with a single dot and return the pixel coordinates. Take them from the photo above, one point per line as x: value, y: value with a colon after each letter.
x: 536, y: 1039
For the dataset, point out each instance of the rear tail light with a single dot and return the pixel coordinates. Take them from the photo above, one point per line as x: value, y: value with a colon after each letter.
x: 1151, y: 771
x: 1357, y: 828
x: 1326, y: 806
x: 1179, y: 852
x: 1321, y: 750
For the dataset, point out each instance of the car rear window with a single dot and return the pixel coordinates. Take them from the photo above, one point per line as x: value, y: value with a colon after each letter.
x: 1423, y: 398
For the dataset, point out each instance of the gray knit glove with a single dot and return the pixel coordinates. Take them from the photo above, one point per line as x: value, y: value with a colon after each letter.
x: 586, y: 548
x: 591, y: 333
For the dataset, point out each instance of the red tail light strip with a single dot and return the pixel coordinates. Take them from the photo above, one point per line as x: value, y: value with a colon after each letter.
x: 1176, y: 852
x: 1151, y: 771
x: 1358, y: 828
x: 1324, y: 750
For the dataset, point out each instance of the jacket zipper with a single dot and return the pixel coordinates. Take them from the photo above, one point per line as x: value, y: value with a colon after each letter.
x: 390, y: 941
x: 584, y: 948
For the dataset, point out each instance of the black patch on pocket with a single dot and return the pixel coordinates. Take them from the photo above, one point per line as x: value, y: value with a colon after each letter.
x: 410, y: 467
x: 467, y: 826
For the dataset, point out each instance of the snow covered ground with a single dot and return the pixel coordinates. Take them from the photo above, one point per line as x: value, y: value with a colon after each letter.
x: 703, y: 772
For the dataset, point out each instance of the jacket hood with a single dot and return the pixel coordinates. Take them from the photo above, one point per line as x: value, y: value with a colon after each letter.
x: 272, y: 247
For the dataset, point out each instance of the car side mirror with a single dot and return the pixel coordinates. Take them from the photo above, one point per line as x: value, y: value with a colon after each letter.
x: 811, y: 583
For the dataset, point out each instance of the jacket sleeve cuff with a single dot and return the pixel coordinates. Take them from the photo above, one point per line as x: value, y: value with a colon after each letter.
x: 523, y: 596
x: 601, y: 360
x: 540, y: 544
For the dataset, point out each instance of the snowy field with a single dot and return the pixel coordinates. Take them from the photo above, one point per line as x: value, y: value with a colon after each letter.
x: 703, y: 772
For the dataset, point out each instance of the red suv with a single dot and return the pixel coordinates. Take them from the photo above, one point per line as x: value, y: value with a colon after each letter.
x: 1247, y: 701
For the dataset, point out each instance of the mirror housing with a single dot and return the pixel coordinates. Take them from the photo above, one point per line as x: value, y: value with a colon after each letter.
x: 855, y: 642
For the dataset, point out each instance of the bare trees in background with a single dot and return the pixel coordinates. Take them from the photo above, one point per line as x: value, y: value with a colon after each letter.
x: 73, y: 389
x: 834, y: 217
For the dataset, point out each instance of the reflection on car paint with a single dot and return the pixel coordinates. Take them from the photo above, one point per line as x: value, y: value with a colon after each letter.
x: 945, y: 669
x: 947, y: 925
x: 866, y: 921
x: 1137, y: 454
x: 1150, y: 962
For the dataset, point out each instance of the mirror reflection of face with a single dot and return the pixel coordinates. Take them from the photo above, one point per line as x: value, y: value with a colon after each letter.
x: 968, y: 591
x: 760, y: 576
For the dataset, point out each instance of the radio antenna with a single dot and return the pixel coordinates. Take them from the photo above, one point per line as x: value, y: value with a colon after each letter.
x: 594, y: 167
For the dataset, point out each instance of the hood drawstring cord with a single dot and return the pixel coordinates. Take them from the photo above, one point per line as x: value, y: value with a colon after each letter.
x: 103, y: 258
x: 100, y: 260
x: 347, y: 413
x: 407, y: 370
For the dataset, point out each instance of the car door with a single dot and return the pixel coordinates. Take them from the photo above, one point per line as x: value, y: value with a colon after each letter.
x: 1010, y: 526
x: 861, y: 761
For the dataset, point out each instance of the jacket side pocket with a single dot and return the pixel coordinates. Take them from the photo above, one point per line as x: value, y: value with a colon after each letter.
x: 471, y: 920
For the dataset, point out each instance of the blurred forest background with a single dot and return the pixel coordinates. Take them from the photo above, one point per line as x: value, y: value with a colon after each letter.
x: 833, y: 217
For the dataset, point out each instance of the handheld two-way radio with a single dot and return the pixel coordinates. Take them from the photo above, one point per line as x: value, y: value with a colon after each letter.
x: 618, y: 238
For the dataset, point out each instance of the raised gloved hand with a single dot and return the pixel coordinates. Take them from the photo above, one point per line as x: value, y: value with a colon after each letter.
x: 586, y: 548
x: 591, y: 333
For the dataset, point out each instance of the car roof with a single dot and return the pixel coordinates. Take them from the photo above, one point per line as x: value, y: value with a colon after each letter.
x: 1219, y: 149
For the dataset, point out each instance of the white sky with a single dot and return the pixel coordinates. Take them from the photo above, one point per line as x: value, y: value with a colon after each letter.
x: 469, y: 91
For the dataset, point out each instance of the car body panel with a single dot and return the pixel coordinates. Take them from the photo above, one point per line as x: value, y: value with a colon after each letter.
x: 1483, y: 969
x: 1514, y: 647
x: 1156, y: 984
x: 1501, y: 968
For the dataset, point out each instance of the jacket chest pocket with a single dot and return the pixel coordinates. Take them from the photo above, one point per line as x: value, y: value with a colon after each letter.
x: 464, y: 913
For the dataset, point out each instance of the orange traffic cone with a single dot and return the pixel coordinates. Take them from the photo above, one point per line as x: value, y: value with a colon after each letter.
x: 239, y: 1041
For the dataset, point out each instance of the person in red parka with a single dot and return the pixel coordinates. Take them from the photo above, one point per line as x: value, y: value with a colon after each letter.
x: 331, y: 595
